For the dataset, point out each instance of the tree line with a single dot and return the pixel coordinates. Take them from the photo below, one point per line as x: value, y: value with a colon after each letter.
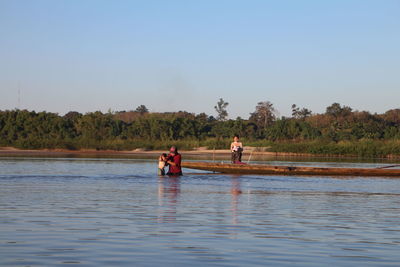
x: 141, y: 128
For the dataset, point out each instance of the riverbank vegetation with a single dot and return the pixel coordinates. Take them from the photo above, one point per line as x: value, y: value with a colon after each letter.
x: 338, y: 131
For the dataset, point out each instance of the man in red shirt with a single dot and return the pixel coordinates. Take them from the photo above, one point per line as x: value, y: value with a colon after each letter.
x: 174, y: 162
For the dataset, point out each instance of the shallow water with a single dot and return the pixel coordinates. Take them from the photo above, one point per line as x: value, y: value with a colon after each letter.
x: 91, y: 212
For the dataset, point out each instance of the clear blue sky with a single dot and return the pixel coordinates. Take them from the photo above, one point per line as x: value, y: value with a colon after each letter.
x: 185, y: 55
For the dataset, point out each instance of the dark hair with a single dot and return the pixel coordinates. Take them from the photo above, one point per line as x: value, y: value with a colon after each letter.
x: 236, y: 135
x: 164, y: 154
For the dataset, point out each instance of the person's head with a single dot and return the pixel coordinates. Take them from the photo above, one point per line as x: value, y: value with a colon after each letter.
x: 173, y: 150
x: 236, y: 138
x: 164, y: 155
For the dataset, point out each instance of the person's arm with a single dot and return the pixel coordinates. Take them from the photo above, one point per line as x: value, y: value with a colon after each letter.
x: 170, y: 161
x: 232, y: 147
x: 176, y: 162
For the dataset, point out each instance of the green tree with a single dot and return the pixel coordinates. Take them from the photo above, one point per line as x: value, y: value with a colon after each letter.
x: 142, y: 109
x: 222, y: 113
x: 263, y: 116
x: 336, y: 110
x: 298, y: 113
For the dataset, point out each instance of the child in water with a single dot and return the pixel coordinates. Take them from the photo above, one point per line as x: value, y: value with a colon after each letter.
x: 162, y: 162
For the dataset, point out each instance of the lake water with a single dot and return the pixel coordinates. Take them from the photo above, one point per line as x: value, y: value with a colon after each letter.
x: 91, y: 212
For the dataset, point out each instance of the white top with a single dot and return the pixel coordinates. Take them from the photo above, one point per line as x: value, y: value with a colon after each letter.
x: 235, y: 146
x: 161, y: 164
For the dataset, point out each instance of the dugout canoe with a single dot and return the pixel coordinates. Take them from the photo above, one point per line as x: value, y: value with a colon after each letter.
x: 229, y: 168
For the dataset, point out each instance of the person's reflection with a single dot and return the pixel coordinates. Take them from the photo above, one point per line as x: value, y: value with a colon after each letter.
x: 235, y: 192
x: 168, y: 192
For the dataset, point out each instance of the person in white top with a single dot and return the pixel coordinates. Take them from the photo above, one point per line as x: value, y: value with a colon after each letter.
x: 162, y: 162
x: 236, y: 149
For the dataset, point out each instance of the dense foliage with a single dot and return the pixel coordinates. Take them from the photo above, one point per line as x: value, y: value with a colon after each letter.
x: 338, y: 131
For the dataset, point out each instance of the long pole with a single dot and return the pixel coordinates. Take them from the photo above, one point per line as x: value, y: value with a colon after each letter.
x: 390, y: 166
x: 250, y: 156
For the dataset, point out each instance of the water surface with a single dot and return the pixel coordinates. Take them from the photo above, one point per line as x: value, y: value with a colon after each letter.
x: 91, y: 212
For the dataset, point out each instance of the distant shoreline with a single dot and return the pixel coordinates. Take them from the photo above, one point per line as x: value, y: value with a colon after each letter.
x: 11, y: 151
x: 137, y: 152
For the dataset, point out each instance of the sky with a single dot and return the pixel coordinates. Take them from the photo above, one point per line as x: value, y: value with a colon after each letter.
x: 84, y: 56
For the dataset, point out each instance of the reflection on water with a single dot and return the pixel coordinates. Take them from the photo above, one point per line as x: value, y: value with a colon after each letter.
x: 118, y: 212
x: 235, y: 192
x: 168, y: 192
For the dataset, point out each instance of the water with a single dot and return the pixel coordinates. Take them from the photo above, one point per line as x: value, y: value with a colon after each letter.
x: 91, y: 212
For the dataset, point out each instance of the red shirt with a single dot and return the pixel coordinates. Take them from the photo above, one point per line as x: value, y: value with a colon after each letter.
x: 177, y: 170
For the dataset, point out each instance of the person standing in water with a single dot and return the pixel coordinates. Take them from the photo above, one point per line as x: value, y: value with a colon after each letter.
x: 162, y: 162
x: 236, y: 149
x: 174, y: 162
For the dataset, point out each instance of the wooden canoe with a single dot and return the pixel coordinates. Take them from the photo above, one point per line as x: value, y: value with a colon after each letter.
x: 288, y: 170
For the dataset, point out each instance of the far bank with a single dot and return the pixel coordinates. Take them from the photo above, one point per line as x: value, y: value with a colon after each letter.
x: 295, y: 151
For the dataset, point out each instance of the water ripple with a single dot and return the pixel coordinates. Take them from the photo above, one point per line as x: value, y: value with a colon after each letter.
x: 119, y: 212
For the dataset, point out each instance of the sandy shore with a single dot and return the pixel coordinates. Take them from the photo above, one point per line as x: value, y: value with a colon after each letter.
x: 11, y: 151
x: 201, y: 153
x: 249, y: 153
